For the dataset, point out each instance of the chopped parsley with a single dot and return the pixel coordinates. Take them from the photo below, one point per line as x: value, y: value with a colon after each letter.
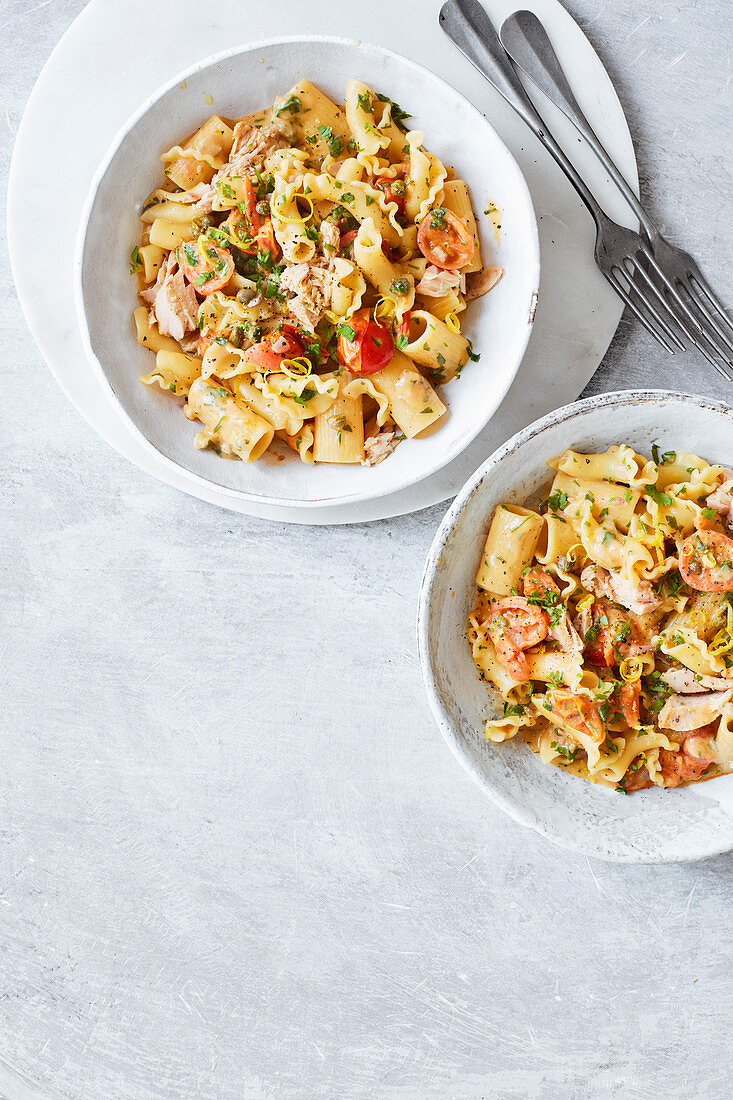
x: 564, y: 750
x: 335, y: 143
x: 664, y: 500
x: 549, y: 602
x: 398, y: 115
x: 346, y: 331
x: 135, y: 260
x: 304, y: 397
x: 664, y: 459
x: 292, y: 104
x: 557, y: 502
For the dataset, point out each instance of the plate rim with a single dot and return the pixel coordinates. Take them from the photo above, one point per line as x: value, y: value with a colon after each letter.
x: 448, y: 730
x: 260, y: 499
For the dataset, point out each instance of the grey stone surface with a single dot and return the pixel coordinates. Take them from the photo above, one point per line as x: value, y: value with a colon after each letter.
x: 236, y: 859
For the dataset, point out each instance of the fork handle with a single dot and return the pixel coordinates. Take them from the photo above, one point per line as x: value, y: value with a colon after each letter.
x: 468, y: 26
x: 526, y: 41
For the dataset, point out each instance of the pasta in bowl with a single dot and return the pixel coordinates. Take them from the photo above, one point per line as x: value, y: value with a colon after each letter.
x: 584, y: 622
x: 604, y: 620
x: 302, y: 274
x: 306, y: 276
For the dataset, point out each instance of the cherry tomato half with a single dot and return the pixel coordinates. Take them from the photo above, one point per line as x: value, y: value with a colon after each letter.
x: 266, y: 241
x: 445, y: 240
x: 371, y: 348
x: 205, y: 266
x: 273, y: 348
x: 395, y: 190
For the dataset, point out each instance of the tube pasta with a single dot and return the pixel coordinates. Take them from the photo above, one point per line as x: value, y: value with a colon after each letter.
x: 302, y: 442
x: 152, y: 257
x: 414, y: 404
x: 457, y: 199
x: 510, y: 544
x: 339, y: 432
x: 435, y: 347
x: 229, y: 425
x: 360, y: 116
x: 174, y: 371
x: 609, y: 643
x: 148, y: 335
x: 276, y: 269
x: 316, y: 122
x: 168, y: 234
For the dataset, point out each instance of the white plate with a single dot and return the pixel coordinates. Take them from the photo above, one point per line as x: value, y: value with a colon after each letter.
x: 652, y: 826
x: 96, y: 77
x: 237, y: 83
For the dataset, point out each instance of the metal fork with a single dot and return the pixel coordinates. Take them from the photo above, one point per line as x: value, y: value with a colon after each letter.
x: 701, y: 315
x: 620, y: 253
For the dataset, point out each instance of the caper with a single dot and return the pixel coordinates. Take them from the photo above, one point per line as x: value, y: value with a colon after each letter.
x: 204, y: 222
x: 236, y: 337
x: 263, y: 207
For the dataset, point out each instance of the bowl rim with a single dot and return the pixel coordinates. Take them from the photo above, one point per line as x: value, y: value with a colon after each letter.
x: 448, y: 729
x: 242, y: 494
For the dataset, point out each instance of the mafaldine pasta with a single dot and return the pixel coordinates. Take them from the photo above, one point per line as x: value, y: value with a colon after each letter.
x: 604, y: 619
x: 302, y: 272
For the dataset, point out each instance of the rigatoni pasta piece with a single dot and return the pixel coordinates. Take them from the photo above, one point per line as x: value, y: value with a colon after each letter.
x: 148, y: 335
x: 175, y: 371
x: 314, y: 119
x: 339, y: 432
x: 211, y: 144
x: 302, y: 442
x: 434, y: 346
x: 457, y: 199
x: 360, y: 115
x: 414, y: 404
x: 169, y: 210
x: 170, y: 234
x: 618, y: 502
x: 618, y: 463
x: 450, y: 302
x: 281, y: 412
x: 510, y: 546
x: 229, y: 425
x: 152, y: 257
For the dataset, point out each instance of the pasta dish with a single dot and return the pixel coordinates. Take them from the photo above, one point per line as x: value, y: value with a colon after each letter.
x: 604, y: 619
x: 302, y: 273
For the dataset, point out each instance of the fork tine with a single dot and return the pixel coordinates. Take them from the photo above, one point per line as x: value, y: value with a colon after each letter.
x: 635, y: 309
x: 727, y: 345
x: 700, y: 304
x: 660, y: 299
x: 695, y: 337
x: 724, y: 369
x: 694, y: 275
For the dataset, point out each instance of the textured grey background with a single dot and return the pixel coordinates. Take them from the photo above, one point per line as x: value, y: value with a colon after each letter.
x: 236, y: 859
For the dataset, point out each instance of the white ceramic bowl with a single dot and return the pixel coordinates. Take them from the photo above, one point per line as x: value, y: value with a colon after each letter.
x: 654, y: 826
x: 233, y: 84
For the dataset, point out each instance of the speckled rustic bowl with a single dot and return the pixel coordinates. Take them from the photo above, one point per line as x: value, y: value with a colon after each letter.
x: 654, y: 826
x: 231, y: 84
